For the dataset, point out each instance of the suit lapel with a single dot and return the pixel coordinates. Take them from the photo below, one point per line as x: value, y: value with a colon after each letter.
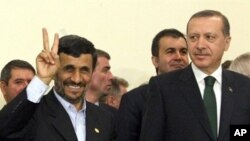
x: 60, y: 119
x: 227, y: 103
x: 191, y: 93
x: 92, y: 124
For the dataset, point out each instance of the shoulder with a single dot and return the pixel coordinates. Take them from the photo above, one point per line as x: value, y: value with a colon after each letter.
x: 93, y: 109
x: 108, y: 108
x: 136, y: 92
x: 173, y: 77
x: 236, y: 78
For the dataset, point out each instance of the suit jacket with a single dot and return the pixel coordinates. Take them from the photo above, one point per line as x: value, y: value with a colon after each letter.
x: 175, y: 109
x: 114, y: 112
x: 109, y: 109
x: 48, y: 121
x: 130, y: 114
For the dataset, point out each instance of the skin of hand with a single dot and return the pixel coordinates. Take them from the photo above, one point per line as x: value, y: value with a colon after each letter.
x: 47, y: 61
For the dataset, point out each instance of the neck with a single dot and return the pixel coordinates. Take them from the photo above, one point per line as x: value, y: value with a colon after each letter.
x: 92, y: 96
x: 79, y: 105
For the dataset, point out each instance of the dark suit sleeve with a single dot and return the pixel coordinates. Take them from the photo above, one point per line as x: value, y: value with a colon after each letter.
x: 153, y: 115
x: 128, y: 120
x: 14, y: 116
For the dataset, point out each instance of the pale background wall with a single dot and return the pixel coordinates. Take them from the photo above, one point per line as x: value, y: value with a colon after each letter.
x: 124, y: 28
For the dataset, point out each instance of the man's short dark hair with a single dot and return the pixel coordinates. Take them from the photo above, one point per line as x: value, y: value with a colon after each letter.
x: 102, y: 53
x: 6, y: 71
x: 75, y: 46
x: 174, y: 33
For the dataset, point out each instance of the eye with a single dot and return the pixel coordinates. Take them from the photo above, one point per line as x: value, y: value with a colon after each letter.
x: 193, y: 38
x: 19, y: 81
x: 210, y: 38
x: 85, y: 70
x: 170, y: 50
x: 106, y: 69
x: 68, y: 69
x: 184, y: 51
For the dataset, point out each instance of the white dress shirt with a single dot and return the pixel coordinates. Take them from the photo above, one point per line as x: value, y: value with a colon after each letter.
x: 77, y: 117
x: 200, y: 76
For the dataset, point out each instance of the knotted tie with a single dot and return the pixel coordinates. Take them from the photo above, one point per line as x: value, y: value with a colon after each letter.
x: 210, y: 104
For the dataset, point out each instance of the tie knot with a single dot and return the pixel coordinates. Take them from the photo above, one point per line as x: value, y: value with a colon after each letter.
x: 209, y: 81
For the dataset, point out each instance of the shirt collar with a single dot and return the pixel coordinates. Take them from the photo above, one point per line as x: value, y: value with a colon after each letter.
x: 199, y: 75
x: 66, y: 104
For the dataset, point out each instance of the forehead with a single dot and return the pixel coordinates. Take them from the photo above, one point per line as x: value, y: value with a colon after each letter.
x: 205, y: 25
x: 171, y: 42
x: 21, y: 71
x: 102, y: 61
x: 82, y: 60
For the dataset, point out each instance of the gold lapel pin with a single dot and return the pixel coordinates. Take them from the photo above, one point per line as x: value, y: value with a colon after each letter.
x: 230, y: 89
x: 97, y: 130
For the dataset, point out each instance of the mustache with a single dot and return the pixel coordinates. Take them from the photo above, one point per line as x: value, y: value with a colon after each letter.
x: 69, y: 82
x: 200, y: 52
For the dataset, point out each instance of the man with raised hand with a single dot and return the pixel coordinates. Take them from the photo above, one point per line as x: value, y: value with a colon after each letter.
x: 63, y: 114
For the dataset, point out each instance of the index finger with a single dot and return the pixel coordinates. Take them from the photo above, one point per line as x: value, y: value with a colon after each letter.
x: 45, y: 39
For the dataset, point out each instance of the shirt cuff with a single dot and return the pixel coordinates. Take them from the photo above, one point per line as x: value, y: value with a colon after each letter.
x: 36, y: 89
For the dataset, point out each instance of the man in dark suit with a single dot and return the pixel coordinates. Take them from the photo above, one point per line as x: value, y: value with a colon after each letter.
x: 169, y: 52
x: 15, y: 76
x: 178, y: 109
x: 63, y: 114
x: 101, y: 80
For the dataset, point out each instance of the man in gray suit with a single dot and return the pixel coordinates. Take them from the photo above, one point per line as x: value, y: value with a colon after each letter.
x: 179, y: 109
x: 63, y: 114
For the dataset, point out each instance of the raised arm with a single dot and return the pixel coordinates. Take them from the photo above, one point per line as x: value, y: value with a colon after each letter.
x: 16, y: 115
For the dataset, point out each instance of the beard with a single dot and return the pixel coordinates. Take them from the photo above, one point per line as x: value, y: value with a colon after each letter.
x: 60, y: 88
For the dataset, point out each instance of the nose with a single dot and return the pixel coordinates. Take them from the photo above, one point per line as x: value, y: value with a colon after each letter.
x: 110, y: 75
x: 177, y: 55
x: 76, y: 77
x: 24, y: 84
x: 200, y: 43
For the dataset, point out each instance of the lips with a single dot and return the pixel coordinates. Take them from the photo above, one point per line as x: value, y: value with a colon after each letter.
x: 177, y: 65
x: 74, y: 88
x: 201, y: 56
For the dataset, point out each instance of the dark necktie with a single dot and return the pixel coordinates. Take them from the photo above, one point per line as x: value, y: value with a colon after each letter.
x: 210, y: 104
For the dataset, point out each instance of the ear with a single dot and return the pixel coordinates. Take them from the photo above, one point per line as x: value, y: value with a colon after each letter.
x: 228, y: 40
x: 110, y: 100
x: 3, y: 86
x: 155, y: 61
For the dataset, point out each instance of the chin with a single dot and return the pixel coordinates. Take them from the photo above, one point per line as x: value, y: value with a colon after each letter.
x: 74, y: 99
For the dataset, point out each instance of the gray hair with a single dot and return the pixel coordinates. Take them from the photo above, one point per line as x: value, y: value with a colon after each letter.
x: 241, y: 64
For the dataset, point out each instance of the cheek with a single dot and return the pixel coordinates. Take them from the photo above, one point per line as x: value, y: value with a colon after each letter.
x: 164, y: 58
x: 87, y: 78
x: 185, y: 58
x: 101, y: 77
x: 15, y: 89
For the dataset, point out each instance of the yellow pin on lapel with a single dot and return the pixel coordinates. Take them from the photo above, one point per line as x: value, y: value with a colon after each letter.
x: 97, y: 130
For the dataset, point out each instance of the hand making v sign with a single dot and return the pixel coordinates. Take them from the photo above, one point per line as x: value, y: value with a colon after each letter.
x: 47, y: 61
